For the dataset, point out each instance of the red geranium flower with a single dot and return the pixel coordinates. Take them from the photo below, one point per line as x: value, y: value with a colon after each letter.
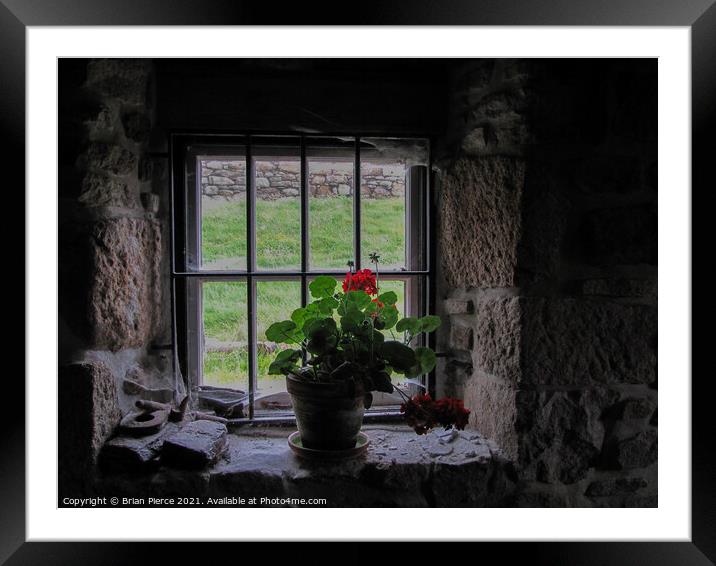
x: 362, y: 280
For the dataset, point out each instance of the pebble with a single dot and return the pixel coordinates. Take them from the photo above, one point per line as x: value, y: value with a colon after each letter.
x: 448, y: 436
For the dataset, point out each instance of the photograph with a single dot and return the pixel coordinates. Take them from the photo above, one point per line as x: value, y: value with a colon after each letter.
x: 408, y: 275
x: 417, y: 282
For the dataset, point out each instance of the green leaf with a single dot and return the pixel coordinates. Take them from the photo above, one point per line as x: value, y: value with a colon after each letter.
x: 284, y: 332
x: 371, y: 308
x: 285, y: 361
x: 425, y: 358
x: 388, y: 317
x: 300, y: 316
x: 409, y: 324
x: 352, y: 320
x: 425, y: 362
x: 322, y: 286
x: 326, y: 305
x: 389, y: 298
x: 322, y: 335
x: 360, y: 299
x: 429, y: 323
x: 400, y: 357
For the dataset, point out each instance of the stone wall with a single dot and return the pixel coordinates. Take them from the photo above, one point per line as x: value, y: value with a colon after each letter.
x: 547, y: 239
x: 113, y: 289
x: 226, y: 179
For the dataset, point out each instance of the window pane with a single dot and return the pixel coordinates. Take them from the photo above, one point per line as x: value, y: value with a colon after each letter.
x: 383, y: 212
x: 275, y: 301
x: 394, y: 175
x: 223, y: 213
x: 278, y: 210
x: 225, y: 340
x: 330, y: 209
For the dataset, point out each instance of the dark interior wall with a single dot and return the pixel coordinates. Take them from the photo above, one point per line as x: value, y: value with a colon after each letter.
x: 396, y: 96
x: 548, y: 247
x: 113, y: 260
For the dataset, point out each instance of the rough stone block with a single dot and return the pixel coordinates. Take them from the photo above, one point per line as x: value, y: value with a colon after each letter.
x: 502, y: 104
x: 569, y: 341
x: 541, y: 496
x: 635, y: 408
x: 457, y: 306
x: 125, y: 293
x: 109, y: 158
x: 618, y: 486
x: 460, y: 337
x: 124, y: 79
x: 456, y: 375
x: 100, y: 120
x: 134, y: 454
x: 498, y: 337
x: 545, y: 208
x: 560, y: 433
x: 493, y: 412
x: 639, y: 451
x: 88, y: 414
x: 136, y: 126
x: 480, y: 221
x: 469, y: 485
x: 196, y: 445
x: 99, y: 189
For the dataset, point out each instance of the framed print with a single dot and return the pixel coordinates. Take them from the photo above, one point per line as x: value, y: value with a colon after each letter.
x: 312, y: 274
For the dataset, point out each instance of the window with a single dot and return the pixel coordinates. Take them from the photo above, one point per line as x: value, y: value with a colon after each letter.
x: 256, y: 217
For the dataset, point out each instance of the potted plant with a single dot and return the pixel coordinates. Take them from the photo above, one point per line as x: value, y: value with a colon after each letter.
x: 339, y: 354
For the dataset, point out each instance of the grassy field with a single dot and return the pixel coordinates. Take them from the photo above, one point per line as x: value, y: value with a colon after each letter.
x: 278, y: 246
x: 278, y: 233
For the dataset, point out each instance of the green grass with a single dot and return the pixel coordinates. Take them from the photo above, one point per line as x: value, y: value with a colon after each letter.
x: 277, y: 247
x: 226, y: 320
x: 278, y: 233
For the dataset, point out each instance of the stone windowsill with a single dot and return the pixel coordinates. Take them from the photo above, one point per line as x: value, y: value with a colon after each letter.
x: 399, y: 468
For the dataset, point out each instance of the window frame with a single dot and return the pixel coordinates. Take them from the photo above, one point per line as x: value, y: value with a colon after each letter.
x: 182, y: 276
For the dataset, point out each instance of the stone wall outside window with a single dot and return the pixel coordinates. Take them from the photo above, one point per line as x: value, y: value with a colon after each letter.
x: 281, y: 179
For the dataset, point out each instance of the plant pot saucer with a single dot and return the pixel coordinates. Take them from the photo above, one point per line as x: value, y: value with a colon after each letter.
x: 294, y: 441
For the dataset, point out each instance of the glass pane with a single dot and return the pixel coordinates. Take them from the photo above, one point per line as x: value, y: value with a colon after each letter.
x: 275, y: 301
x: 330, y: 207
x: 383, y: 212
x: 225, y: 359
x: 223, y: 212
x: 393, y: 201
x: 278, y: 210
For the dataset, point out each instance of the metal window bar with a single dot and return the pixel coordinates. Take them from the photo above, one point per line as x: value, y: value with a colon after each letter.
x: 178, y: 143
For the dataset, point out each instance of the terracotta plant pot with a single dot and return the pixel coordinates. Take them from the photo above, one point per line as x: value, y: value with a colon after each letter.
x: 329, y: 415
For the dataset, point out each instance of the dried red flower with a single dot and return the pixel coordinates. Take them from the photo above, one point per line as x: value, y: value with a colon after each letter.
x: 423, y: 414
x: 362, y: 280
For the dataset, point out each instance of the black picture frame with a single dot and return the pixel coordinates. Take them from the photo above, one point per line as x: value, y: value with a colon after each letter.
x: 699, y: 15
